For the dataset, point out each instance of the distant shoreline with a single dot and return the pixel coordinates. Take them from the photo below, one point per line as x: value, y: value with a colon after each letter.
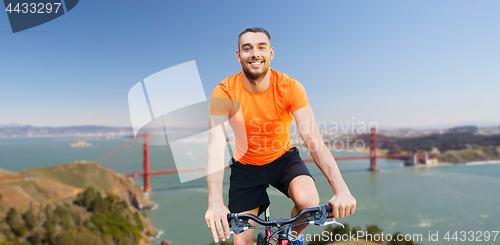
x: 473, y: 163
x: 482, y: 162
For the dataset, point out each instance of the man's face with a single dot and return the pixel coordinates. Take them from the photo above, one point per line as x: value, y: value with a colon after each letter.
x: 255, y: 54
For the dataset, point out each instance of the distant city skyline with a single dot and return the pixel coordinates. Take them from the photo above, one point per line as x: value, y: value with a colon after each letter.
x: 400, y: 64
x: 329, y: 132
x: 340, y: 126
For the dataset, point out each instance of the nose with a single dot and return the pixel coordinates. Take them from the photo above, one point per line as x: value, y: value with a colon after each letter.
x: 255, y: 53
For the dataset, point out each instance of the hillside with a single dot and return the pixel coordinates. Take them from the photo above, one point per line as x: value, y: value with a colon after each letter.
x: 452, y: 141
x: 7, y: 175
x: 48, y: 184
x: 38, y: 192
x: 22, y: 192
x: 90, y: 174
x: 485, y: 153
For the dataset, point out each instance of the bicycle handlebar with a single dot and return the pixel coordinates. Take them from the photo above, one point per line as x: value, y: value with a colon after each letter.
x: 319, y: 218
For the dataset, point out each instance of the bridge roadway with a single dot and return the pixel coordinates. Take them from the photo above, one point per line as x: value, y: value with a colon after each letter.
x: 175, y: 171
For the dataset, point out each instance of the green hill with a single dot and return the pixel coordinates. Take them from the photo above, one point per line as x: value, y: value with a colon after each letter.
x: 485, y: 153
x: 80, y: 175
x: 90, y: 174
x: 74, y: 203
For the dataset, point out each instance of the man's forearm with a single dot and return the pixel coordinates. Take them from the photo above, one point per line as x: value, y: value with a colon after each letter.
x: 215, y: 173
x: 215, y: 159
x: 326, y: 163
x: 214, y: 183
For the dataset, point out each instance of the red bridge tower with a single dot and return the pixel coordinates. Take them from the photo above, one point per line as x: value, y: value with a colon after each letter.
x: 373, y: 149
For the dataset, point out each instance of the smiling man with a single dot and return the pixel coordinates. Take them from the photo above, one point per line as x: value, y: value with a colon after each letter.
x: 260, y: 103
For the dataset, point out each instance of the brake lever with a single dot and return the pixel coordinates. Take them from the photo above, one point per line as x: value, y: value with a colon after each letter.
x: 319, y: 218
x: 322, y: 219
x: 312, y: 222
x: 333, y: 222
x: 238, y: 225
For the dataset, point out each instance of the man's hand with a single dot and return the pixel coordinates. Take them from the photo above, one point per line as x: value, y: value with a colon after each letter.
x: 343, y: 204
x: 216, y: 214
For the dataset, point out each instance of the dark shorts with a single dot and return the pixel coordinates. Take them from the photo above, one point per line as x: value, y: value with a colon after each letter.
x: 248, y: 183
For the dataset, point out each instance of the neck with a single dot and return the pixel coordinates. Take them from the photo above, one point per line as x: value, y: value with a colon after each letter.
x: 257, y: 85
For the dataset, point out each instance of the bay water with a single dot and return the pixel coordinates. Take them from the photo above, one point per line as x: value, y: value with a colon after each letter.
x: 412, y: 200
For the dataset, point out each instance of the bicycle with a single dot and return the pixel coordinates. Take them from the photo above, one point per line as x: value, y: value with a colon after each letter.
x: 318, y: 215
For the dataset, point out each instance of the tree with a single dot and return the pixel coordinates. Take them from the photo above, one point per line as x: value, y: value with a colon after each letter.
x: 16, y: 222
x: 30, y: 218
x: 63, y: 217
x: 138, y: 221
x: 99, y: 205
x: 79, y: 237
x: 373, y: 230
x: 97, y: 220
x: 37, y: 236
x: 86, y: 198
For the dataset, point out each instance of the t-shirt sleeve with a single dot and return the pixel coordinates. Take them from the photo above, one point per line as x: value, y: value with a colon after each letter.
x: 297, y: 97
x: 219, y: 102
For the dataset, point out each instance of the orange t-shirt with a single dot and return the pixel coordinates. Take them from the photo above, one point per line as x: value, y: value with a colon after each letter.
x: 260, y: 121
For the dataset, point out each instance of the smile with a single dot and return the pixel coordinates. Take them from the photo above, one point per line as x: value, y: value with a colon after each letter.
x: 256, y: 64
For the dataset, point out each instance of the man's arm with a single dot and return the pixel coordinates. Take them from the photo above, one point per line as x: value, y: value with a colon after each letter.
x: 343, y: 202
x: 216, y: 212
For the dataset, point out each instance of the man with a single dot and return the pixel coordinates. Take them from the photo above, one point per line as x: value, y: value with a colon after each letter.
x: 260, y: 104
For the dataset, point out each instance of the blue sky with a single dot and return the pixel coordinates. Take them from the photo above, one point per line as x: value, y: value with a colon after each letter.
x: 398, y: 63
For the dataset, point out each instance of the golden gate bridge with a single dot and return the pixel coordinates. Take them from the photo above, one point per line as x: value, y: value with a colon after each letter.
x: 146, y: 174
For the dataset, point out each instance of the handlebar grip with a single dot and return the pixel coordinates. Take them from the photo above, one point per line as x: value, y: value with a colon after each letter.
x: 328, y: 208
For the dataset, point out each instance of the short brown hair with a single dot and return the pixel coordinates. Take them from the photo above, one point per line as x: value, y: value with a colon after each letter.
x: 253, y: 29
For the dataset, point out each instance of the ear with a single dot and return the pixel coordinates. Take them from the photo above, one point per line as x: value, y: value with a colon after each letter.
x: 238, y: 56
x: 272, y: 53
